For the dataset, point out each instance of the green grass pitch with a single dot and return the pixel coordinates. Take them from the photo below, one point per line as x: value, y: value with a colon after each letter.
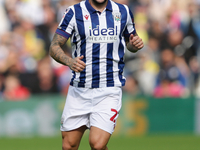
x: 148, y: 142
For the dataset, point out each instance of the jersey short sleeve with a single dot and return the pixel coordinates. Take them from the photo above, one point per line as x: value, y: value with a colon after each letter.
x: 130, y: 27
x: 66, y: 26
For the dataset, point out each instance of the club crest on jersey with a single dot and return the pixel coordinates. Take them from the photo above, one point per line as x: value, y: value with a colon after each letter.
x: 116, y: 16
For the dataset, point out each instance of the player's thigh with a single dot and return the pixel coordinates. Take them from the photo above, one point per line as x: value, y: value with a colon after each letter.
x: 98, y: 138
x: 106, y: 110
x: 71, y: 139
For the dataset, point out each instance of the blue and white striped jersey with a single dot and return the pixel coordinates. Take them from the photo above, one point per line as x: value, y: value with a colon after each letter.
x: 100, y: 37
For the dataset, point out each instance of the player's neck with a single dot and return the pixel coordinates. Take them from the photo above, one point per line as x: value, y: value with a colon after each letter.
x: 98, y: 7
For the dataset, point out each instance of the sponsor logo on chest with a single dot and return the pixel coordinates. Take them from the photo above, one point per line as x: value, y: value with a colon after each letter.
x: 103, y: 35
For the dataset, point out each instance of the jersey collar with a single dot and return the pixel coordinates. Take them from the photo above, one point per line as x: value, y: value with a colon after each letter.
x: 92, y: 10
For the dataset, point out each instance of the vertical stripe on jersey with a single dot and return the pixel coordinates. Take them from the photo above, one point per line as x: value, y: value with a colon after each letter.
x: 131, y: 20
x: 121, y: 46
x: 95, y: 54
x: 81, y: 30
x: 130, y: 28
x: 115, y: 54
x: 88, y: 54
x: 74, y: 54
x: 103, y: 53
x: 109, y: 67
x: 65, y: 22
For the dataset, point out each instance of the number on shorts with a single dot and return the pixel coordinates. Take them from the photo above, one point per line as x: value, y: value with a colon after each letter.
x: 113, y: 117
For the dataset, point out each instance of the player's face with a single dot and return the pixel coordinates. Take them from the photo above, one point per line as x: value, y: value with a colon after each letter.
x: 100, y: 2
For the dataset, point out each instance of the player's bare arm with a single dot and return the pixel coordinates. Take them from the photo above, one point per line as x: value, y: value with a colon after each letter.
x: 57, y: 53
x: 134, y: 43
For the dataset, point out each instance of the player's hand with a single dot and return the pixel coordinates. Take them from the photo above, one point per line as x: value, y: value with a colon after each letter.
x: 77, y: 64
x: 136, y: 42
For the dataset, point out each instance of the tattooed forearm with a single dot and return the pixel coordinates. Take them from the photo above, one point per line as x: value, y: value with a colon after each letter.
x: 56, y: 50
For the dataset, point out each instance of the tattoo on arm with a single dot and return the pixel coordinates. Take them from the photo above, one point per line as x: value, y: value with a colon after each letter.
x: 56, y: 51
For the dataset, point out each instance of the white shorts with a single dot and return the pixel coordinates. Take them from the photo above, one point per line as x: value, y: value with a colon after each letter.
x: 97, y: 107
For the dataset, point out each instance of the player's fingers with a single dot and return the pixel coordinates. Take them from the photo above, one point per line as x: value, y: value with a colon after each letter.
x: 136, y: 41
x: 80, y: 66
x: 131, y: 37
x: 140, y: 47
x: 135, y: 37
x: 80, y: 69
x: 138, y: 44
x: 81, y: 57
x: 78, y: 59
x: 77, y: 69
x: 76, y: 66
x: 81, y: 63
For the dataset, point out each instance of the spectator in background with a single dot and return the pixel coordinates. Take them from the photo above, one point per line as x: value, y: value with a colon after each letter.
x: 4, y: 25
x: 46, y: 77
x: 170, y: 81
x: 131, y: 87
x: 190, y: 27
x: 168, y: 88
x: 9, y: 56
x: 33, y: 43
x: 195, y: 71
x: 142, y: 22
x: 14, y: 90
x: 146, y: 75
x: 63, y: 75
x: 49, y: 21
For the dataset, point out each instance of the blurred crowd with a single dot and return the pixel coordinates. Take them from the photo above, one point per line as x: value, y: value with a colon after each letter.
x: 167, y: 66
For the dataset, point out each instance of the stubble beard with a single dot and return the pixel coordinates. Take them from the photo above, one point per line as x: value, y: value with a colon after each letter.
x: 98, y: 3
